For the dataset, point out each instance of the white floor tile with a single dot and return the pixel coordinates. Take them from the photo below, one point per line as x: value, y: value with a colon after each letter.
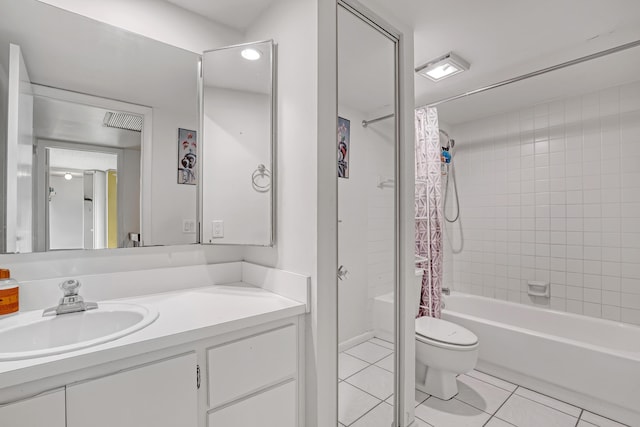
x: 383, y: 343
x: 373, y: 380
x: 353, y: 403
x: 419, y: 397
x: 369, y: 352
x: 583, y: 423
x: 420, y: 423
x: 380, y: 416
x: 526, y: 413
x: 549, y: 401
x: 497, y: 422
x: 480, y: 395
x: 386, y: 363
x: 598, y: 420
x: 492, y: 380
x: 450, y: 413
x: 349, y: 365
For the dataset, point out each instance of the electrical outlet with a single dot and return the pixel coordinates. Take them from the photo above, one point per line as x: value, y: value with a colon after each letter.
x: 217, y: 229
x: 188, y: 226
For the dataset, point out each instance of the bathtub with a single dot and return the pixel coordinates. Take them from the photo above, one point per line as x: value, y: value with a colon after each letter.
x: 591, y: 363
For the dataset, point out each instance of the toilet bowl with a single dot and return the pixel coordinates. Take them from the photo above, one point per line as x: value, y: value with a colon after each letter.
x: 443, y: 351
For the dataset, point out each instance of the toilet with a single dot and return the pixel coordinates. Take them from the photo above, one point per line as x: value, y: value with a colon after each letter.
x: 443, y: 351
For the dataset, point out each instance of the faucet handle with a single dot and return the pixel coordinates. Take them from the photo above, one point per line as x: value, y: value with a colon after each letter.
x: 70, y: 287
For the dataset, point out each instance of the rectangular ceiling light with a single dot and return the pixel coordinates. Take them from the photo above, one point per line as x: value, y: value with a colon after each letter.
x: 440, y: 68
x: 123, y: 121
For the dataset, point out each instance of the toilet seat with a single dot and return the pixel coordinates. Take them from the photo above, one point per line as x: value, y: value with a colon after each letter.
x: 442, y: 333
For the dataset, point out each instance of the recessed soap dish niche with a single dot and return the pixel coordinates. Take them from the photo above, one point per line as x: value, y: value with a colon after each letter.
x: 537, y: 288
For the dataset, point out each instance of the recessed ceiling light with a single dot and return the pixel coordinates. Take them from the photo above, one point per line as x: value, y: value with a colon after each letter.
x: 68, y: 176
x: 440, y: 68
x: 251, y: 54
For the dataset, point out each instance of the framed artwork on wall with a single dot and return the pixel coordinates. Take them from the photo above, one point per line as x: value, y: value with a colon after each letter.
x: 344, y: 146
x: 187, y: 157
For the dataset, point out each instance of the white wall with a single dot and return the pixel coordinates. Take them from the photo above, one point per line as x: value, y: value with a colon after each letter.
x: 237, y: 125
x: 552, y: 192
x: 171, y: 203
x: 4, y: 95
x: 130, y: 192
x: 66, y: 213
x: 366, y: 230
x: 162, y: 21
x: 306, y: 179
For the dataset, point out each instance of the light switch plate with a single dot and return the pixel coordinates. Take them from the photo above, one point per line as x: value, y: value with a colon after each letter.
x: 188, y: 226
x: 217, y: 229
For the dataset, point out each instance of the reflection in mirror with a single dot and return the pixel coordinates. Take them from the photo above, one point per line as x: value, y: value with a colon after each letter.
x: 74, y: 93
x: 238, y: 176
x: 367, y: 194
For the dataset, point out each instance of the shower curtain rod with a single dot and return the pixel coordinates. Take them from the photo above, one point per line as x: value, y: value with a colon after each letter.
x: 540, y: 72
x: 365, y: 123
x: 522, y: 77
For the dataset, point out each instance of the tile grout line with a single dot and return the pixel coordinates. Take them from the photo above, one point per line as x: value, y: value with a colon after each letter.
x: 365, y: 391
x: 579, y: 417
x: 361, y: 416
x: 500, y: 407
x: 553, y: 398
x: 492, y: 376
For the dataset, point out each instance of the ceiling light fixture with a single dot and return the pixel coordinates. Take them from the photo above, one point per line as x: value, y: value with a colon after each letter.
x: 251, y: 54
x: 68, y: 176
x: 445, y: 66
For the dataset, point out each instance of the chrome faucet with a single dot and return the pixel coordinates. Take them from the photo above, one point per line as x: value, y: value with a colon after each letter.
x: 71, y: 302
x: 446, y: 291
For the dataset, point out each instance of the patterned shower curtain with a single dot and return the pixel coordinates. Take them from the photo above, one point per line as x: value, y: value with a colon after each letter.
x: 428, y: 207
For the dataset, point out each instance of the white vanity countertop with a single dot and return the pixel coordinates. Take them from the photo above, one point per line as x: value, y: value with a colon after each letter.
x: 185, y: 316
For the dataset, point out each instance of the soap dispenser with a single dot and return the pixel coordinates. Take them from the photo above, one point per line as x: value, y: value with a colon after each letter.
x: 9, y: 294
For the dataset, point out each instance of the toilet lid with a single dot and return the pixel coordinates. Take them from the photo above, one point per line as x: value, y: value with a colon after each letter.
x: 445, y: 332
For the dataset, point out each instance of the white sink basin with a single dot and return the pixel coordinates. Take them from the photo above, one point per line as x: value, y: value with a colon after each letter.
x: 28, y: 335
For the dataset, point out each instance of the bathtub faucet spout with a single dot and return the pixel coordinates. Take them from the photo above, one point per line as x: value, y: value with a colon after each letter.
x: 446, y: 291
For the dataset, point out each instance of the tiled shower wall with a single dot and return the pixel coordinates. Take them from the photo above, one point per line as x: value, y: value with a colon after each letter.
x: 552, y: 193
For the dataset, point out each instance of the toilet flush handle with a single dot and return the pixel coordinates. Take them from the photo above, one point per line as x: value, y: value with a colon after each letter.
x: 342, y: 272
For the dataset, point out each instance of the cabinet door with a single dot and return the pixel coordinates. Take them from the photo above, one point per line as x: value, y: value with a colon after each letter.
x: 44, y: 410
x: 162, y: 394
x: 272, y: 408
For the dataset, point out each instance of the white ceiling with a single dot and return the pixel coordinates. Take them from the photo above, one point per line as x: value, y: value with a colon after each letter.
x: 73, y: 160
x: 237, y: 14
x: 506, y: 38
x: 226, y: 68
x: 70, y: 121
x: 69, y: 51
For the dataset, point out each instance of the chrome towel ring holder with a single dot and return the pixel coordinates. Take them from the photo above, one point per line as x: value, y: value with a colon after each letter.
x: 261, y: 174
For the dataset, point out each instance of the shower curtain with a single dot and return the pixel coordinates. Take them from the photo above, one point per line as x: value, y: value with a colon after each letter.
x: 428, y: 210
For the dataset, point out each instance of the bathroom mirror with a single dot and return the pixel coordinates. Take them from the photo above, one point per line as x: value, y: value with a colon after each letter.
x: 238, y: 180
x: 92, y: 123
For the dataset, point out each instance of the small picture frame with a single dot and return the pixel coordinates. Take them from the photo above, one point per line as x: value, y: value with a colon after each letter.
x: 187, y: 157
x: 344, y: 147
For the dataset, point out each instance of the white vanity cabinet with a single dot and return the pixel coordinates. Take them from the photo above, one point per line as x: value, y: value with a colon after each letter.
x: 253, y: 381
x: 160, y: 394
x: 46, y: 409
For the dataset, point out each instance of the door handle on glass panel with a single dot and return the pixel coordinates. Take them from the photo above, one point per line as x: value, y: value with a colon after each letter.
x: 342, y: 272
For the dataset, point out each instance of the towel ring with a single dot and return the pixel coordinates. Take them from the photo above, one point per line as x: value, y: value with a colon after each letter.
x: 261, y: 172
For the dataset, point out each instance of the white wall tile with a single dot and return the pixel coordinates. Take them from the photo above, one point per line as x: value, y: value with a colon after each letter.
x: 544, y: 198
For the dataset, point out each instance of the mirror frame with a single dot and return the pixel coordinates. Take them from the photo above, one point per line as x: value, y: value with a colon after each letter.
x: 273, y: 166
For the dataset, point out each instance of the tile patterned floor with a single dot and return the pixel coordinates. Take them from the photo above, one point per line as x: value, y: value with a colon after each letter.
x: 366, y: 397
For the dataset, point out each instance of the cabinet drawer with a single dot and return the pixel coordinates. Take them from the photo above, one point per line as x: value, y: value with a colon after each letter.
x: 242, y: 367
x: 44, y: 410
x: 272, y: 408
x: 161, y: 394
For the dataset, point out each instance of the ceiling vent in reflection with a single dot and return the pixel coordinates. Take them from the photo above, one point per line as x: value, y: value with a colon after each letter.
x: 123, y: 121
